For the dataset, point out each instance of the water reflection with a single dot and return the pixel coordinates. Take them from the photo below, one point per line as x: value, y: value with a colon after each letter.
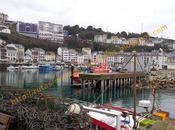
x: 118, y: 97
x: 29, y: 79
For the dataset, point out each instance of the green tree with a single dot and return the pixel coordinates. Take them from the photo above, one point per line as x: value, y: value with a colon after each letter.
x: 123, y: 34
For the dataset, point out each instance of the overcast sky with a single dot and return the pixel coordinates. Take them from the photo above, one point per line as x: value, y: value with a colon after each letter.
x: 110, y: 15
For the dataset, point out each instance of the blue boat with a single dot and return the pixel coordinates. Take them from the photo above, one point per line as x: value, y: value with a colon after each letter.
x: 45, y: 68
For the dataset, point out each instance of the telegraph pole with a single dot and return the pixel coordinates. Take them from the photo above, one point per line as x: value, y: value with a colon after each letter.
x: 134, y: 90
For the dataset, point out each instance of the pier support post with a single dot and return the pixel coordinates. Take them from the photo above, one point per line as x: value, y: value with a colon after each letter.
x: 115, y: 86
x: 89, y: 84
x: 72, y: 72
x: 82, y: 83
x: 102, y: 91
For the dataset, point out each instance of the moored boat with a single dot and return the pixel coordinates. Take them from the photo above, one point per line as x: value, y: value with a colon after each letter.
x: 45, y: 68
x: 111, y: 119
x: 76, y: 78
x: 12, y: 68
x: 58, y: 68
x: 32, y: 67
x: 100, y: 69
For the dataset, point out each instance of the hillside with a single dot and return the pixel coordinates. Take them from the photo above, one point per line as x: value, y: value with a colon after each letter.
x: 79, y: 37
x: 28, y: 42
x: 69, y: 42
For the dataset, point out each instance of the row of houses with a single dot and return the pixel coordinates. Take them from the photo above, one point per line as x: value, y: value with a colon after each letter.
x: 71, y: 55
x: 151, y: 42
x: 157, y: 59
x: 16, y: 53
x: 145, y: 60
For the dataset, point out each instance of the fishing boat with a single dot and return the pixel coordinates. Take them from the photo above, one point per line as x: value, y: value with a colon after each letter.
x: 100, y: 69
x: 102, y: 119
x: 75, y: 77
x: 108, y: 118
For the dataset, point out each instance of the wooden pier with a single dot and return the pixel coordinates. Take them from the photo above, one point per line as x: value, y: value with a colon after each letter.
x: 112, y: 82
x: 112, y: 79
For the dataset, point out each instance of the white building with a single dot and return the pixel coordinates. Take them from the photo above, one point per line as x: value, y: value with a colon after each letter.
x: 4, y: 29
x: 108, y: 41
x: 35, y: 55
x: 67, y: 55
x: 3, y: 51
x: 38, y: 54
x: 63, y: 53
x: 51, y: 31
x: 80, y: 59
x: 3, y: 18
x: 111, y: 60
x: 114, y: 39
x: 122, y: 41
x: 20, y: 53
x: 98, y: 58
x: 100, y: 38
x: 171, y: 60
x: 50, y: 56
x: 73, y: 56
x: 87, y: 52
x: 11, y: 53
x: 145, y: 61
x: 28, y: 56
x: 149, y: 43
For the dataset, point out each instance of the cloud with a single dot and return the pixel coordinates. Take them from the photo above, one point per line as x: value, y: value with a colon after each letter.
x: 111, y: 15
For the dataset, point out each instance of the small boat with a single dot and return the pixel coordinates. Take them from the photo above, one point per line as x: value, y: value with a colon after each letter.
x: 58, y: 68
x: 29, y: 67
x: 76, y: 78
x: 100, y: 69
x: 106, y: 122
x: 45, y: 68
x: 66, y: 66
x: 12, y: 68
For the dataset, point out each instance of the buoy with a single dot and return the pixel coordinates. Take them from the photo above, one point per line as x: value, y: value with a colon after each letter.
x: 73, y: 109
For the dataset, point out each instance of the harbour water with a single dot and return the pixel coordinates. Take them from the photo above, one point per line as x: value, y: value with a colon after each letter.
x: 32, y: 79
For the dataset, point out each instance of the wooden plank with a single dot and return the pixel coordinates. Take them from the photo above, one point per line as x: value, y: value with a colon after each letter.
x: 5, y: 121
x: 101, y: 76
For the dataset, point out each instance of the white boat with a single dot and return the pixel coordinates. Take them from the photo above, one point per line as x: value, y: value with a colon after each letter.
x: 58, y: 68
x: 101, y: 118
x: 12, y: 68
x: 32, y: 67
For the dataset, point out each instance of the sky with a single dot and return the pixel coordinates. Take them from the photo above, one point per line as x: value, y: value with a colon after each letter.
x: 110, y: 15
